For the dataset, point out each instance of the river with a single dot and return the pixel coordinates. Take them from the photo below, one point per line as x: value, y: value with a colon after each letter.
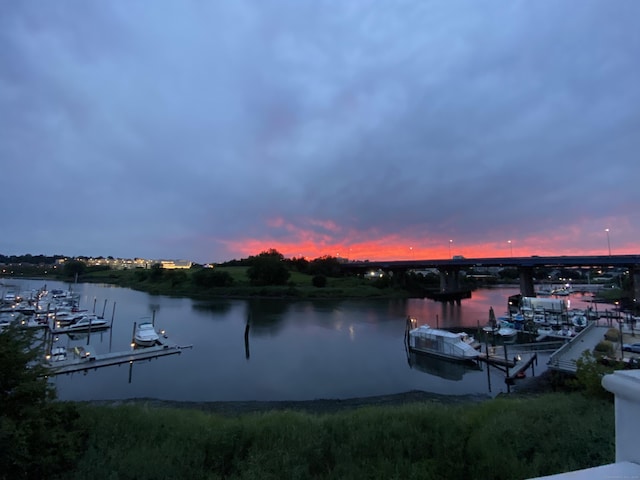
x: 296, y: 350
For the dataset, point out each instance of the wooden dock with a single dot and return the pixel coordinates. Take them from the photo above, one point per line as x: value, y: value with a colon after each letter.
x: 513, y: 363
x: 80, y: 360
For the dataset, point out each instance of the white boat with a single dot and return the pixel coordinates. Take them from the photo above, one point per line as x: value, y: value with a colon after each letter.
x: 84, y: 324
x: 539, y: 318
x: 506, y: 332
x: 579, y: 320
x: 58, y: 354
x: 146, y: 335
x: 562, y: 291
x: 544, y: 332
x: 65, y: 318
x: 490, y: 328
x: 442, y: 343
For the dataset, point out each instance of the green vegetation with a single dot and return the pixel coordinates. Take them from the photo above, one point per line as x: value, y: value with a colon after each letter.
x: 39, y: 438
x: 612, y: 335
x: 604, y: 347
x: 591, y: 369
x: 268, y: 274
x: 268, y: 268
x: 504, y: 438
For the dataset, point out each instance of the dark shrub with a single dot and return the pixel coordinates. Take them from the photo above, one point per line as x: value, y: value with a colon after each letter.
x: 319, y: 281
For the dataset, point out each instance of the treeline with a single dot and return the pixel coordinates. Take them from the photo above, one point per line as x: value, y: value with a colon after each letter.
x: 30, y: 259
x: 326, y: 265
x: 270, y: 267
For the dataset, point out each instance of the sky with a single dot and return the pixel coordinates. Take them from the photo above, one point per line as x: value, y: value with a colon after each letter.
x: 381, y: 130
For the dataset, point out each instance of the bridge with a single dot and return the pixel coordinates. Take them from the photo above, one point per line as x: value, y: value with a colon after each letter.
x: 450, y: 268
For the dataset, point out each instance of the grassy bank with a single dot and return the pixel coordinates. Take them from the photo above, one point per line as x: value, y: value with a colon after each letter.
x: 504, y: 438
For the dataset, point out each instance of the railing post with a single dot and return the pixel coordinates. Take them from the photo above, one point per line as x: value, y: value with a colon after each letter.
x: 625, y: 385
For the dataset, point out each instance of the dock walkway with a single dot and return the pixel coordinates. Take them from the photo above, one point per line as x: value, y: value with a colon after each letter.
x: 564, y: 359
x: 83, y: 361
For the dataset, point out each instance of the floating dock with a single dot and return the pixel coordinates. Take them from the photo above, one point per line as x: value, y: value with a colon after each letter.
x: 499, y: 357
x: 513, y: 363
x: 79, y: 360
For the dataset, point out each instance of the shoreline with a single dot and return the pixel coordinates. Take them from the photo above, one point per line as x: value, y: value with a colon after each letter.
x: 317, y: 406
x: 526, y: 387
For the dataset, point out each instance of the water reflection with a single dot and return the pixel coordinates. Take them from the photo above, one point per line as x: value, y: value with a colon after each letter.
x: 272, y: 349
x: 446, y: 369
x: 218, y: 308
x: 266, y: 316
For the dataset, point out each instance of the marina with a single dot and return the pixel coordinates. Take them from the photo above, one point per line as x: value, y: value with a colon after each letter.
x: 271, y: 349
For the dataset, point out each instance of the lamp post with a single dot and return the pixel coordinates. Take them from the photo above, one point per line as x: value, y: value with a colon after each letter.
x: 608, y: 240
x: 450, y: 242
x: 510, y: 247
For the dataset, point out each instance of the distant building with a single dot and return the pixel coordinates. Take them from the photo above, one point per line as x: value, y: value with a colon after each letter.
x: 175, y: 264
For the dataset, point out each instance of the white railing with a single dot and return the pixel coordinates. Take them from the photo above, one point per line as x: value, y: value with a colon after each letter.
x: 625, y: 385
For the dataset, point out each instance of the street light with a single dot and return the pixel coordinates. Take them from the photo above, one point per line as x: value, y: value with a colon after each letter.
x: 450, y: 242
x: 510, y: 246
x: 608, y: 241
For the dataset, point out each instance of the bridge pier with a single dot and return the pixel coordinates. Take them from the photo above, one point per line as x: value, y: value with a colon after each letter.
x: 526, y: 282
x: 449, y: 279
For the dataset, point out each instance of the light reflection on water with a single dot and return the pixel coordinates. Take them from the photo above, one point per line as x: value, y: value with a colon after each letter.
x: 294, y: 350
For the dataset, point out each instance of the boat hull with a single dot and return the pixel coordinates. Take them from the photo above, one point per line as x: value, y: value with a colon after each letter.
x: 436, y: 354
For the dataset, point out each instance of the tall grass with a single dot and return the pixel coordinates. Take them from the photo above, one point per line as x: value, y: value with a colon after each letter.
x: 497, y: 439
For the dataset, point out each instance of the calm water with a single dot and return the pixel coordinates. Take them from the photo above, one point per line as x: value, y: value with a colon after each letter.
x: 296, y: 351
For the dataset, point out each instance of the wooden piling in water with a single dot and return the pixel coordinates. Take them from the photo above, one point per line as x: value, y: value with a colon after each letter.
x: 113, y: 314
x: 246, y: 341
x: 488, y: 367
x: 506, y: 361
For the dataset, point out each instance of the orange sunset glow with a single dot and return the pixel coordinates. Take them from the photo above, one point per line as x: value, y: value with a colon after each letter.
x: 312, y: 238
x: 396, y: 249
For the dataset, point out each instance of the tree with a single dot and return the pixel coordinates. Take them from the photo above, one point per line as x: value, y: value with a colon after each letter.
x: 39, y: 438
x: 319, y: 281
x: 176, y: 277
x: 156, y: 272
x: 209, y: 277
x: 268, y: 268
x: 74, y: 267
x: 327, y: 266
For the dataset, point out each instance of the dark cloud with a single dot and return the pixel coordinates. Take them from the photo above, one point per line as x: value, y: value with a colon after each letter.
x: 182, y: 129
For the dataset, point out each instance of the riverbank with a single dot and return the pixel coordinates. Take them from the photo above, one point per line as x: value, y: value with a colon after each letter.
x: 319, y: 406
x: 528, y: 386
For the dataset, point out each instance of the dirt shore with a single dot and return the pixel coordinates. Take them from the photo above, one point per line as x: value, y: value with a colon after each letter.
x: 319, y: 406
x: 523, y: 387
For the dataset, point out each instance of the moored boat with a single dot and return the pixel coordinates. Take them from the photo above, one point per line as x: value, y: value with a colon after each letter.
x: 85, y: 324
x: 146, y: 335
x: 579, y: 320
x: 506, y: 332
x: 443, y: 343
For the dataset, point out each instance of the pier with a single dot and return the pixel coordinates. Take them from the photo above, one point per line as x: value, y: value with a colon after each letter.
x: 81, y: 360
